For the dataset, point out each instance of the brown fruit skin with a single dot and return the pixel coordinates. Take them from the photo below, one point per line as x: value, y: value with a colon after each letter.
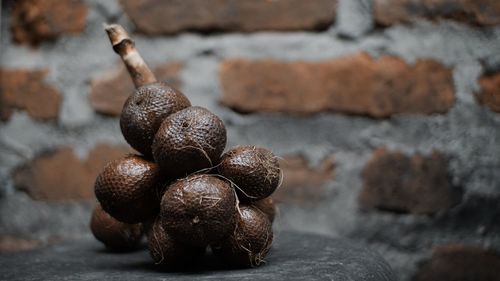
x: 144, y: 111
x: 254, y: 170
x: 199, y: 210
x: 188, y: 141
x: 129, y: 189
x: 147, y: 226
x: 267, y: 206
x: 115, y: 235
x: 166, y: 252
x: 251, y: 240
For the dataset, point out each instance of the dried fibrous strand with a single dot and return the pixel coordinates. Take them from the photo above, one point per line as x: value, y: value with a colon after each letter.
x: 254, y: 171
x: 199, y: 210
x: 251, y: 240
x: 189, y: 141
x: 167, y: 252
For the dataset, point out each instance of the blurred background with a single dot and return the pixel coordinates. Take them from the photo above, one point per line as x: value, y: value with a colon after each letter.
x: 385, y: 113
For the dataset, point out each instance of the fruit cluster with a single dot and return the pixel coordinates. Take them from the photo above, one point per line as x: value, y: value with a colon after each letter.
x: 182, y: 191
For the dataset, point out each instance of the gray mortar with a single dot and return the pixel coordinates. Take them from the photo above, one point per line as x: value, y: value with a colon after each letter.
x: 468, y: 134
x: 354, y: 18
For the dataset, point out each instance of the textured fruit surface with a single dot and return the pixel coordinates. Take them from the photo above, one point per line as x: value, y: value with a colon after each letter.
x: 144, y: 112
x: 199, y: 210
x: 188, y: 141
x: 129, y: 189
x: 267, y: 206
x: 254, y: 170
x: 116, y: 235
x: 167, y: 252
x: 251, y: 240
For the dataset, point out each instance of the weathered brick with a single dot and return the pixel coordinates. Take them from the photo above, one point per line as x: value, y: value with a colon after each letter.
x: 302, y: 183
x: 357, y: 84
x: 34, y: 21
x: 480, y: 12
x: 27, y: 90
x: 460, y: 262
x: 102, y: 154
x: 489, y: 94
x: 417, y: 184
x: 61, y: 175
x: 110, y: 90
x: 10, y: 244
x: 55, y: 176
x: 168, y: 17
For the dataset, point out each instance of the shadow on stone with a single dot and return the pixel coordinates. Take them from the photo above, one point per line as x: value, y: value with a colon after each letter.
x: 294, y: 256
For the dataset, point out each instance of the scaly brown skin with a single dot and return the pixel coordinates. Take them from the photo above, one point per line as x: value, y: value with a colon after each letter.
x: 144, y: 111
x: 130, y: 189
x: 152, y: 101
x: 188, y: 141
x: 254, y: 170
x: 199, y: 210
x: 167, y: 252
x: 115, y: 235
x: 267, y: 206
x: 251, y: 240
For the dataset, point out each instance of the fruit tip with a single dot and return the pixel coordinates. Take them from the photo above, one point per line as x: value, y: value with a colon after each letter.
x: 116, y: 33
x: 109, y: 27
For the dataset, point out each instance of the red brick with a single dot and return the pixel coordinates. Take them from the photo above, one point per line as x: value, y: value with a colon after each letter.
x: 489, y: 94
x: 302, y: 183
x: 170, y: 73
x: 110, y: 90
x: 10, y: 244
x: 60, y: 175
x: 34, y: 21
x: 102, y: 154
x: 55, y: 176
x: 460, y: 262
x: 356, y: 84
x: 479, y: 12
x: 417, y: 184
x: 27, y: 90
x: 168, y: 17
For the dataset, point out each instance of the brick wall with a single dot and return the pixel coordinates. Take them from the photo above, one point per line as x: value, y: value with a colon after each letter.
x: 386, y: 114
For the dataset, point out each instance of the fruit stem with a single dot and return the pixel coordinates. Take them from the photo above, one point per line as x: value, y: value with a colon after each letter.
x: 124, y: 46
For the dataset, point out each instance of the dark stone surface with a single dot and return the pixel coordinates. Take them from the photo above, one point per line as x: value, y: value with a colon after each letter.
x: 293, y: 257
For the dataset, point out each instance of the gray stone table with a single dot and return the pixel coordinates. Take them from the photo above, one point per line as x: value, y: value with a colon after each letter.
x: 293, y: 257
